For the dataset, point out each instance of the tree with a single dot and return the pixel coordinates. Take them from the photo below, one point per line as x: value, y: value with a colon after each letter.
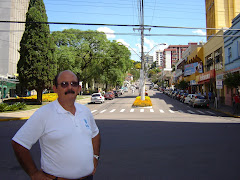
x: 37, y: 65
x: 232, y: 80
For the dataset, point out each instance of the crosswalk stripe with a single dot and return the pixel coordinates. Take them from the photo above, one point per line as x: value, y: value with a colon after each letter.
x: 151, y: 110
x: 141, y: 110
x: 93, y: 111
x: 200, y: 112
x: 171, y: 111
x: 210, y: 112
x: 191, y: 111
x: 113, y: 110
x: 161, y: 111
x: 132, y: 110
x: 103, y: 111
x: 122, y: 110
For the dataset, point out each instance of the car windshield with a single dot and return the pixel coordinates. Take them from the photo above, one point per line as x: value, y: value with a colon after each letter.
x: 108, y: 93
x: 95, y: 95
x: 200, y: 97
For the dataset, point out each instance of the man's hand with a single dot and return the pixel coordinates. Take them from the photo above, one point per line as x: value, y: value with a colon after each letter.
x: 95, y: 162
x: 39, y: 175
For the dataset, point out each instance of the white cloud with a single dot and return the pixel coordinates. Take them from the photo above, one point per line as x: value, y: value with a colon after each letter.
x: 199, y: 32
x: 64, y: 27
x: 109, y: 32
x: 123, y: 42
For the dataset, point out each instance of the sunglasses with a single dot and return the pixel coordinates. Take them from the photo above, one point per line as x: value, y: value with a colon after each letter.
x: 66, y: 84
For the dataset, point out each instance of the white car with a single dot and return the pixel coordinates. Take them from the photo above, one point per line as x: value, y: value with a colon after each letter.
x: 97, y: 97
x: 188, y: 98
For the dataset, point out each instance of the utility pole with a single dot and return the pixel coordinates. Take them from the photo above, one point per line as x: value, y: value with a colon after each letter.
x: 142, y: 74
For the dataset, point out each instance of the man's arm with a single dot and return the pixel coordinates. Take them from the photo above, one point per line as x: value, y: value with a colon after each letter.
x: 25, y: 159
x: 96, y: 141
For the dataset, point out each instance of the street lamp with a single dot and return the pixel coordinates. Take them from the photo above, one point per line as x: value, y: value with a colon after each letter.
x: 142, y: 76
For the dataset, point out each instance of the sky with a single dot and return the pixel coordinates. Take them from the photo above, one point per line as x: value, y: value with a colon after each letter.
x: 157, y: 14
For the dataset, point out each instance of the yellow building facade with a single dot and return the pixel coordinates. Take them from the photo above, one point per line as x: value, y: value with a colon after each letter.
x: 220, y: 13
x: 212, y: 78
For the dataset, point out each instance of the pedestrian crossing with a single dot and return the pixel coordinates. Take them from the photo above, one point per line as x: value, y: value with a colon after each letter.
x: 151, y: 110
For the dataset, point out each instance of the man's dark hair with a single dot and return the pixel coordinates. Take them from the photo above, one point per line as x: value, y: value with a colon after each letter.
x: 55, y: 81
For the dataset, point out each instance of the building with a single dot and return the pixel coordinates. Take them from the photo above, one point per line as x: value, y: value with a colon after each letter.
x: 159, y: 59
x: 11, y: 34
x: 10, y: 37
x: 171, y: 56
x: 232, y: 54
x: 220, y: 13
x: 148, y: 60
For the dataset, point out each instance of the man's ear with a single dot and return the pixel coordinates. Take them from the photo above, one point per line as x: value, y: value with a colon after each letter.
x: 54, y: 89
x: 79, y: 89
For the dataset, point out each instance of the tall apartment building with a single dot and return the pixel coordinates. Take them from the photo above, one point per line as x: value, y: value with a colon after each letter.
x: 11, y: 34
x: 220, y: 13
x: 172, y: 55
x: 148, y: 59
x: 159, y: 59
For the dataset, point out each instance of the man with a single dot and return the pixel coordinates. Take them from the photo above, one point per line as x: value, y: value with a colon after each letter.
x: 68, y: 135
x: 236, y: 103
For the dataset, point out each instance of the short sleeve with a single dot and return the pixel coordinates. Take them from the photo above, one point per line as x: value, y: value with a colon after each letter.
x: 30, y: 132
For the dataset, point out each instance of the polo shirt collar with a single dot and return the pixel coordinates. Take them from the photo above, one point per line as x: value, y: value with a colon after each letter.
x: 61, y: 110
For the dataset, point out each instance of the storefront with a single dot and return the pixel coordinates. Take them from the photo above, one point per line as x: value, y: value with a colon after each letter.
x: 208, y: 81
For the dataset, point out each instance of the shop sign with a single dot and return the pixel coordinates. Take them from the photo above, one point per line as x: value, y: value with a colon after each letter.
x: 190, y: 69
x: 207, y: 76
x: 193, y: 82
x: 219, y: 84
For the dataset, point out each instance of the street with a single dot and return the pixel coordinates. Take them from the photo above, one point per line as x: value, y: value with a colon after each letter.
x: 169, y: 141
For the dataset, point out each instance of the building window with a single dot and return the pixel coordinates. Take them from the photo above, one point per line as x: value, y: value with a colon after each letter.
x: 229, y: 55
x: 238, y: 48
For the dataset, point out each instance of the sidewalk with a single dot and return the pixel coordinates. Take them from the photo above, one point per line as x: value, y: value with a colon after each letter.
x: 225, y: 109
x: 23, y: 115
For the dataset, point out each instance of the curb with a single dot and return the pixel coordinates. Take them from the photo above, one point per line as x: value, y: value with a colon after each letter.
x: 228, y: 113
x: 13, y: 119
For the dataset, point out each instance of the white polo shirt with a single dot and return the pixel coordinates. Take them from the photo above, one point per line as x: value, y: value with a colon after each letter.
x: 65, y: 139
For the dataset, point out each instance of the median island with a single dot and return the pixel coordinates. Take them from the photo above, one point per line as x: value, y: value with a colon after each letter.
x: 142, y: 103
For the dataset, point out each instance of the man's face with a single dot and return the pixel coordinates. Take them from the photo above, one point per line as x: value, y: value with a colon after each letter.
x: 68, y: 86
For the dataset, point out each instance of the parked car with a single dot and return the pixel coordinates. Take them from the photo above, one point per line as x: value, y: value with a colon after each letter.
x: 183, y: 96
x: 188, y: 98
x: 117, y: 93
x: 97, y: 97
x: 109, y: 95
x: 199, y: 100
x: 178, y: 96
x: 121, y: 91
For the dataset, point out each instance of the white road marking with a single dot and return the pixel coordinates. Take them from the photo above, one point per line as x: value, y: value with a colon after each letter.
x: 191, y: 111
x: 151, y: 110
x: 122, y: 110
x: 180, y: 111
x: 200, y: 112
x: 171, y: 111
x: 161, y: 111
x: 113, y: 110
x: 93, y: 111
x: 132, y: 110
x: 210, y: 112
x: 141, y: 110
x: 103, y: 111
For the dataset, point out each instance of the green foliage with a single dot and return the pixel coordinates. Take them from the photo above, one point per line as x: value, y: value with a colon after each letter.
x: 13, y: 107
x: 232, y: 80
x: 182, y: 85
x: 92, y: 56
x: 37, y: 64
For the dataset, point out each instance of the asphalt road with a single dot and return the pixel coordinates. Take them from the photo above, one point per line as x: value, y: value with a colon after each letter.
x: 171, y: 142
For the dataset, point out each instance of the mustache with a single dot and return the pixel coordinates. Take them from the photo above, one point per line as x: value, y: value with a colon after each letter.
x: 69, y: 91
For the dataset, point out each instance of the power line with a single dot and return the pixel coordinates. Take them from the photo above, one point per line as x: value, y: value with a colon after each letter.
x: 120, y: 25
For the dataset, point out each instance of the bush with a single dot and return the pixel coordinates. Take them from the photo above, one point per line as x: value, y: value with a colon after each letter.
x: 13, y: 107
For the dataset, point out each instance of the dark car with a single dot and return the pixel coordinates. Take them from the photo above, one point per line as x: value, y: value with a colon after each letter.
x: 117, y: 93
x: 109, y: 95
